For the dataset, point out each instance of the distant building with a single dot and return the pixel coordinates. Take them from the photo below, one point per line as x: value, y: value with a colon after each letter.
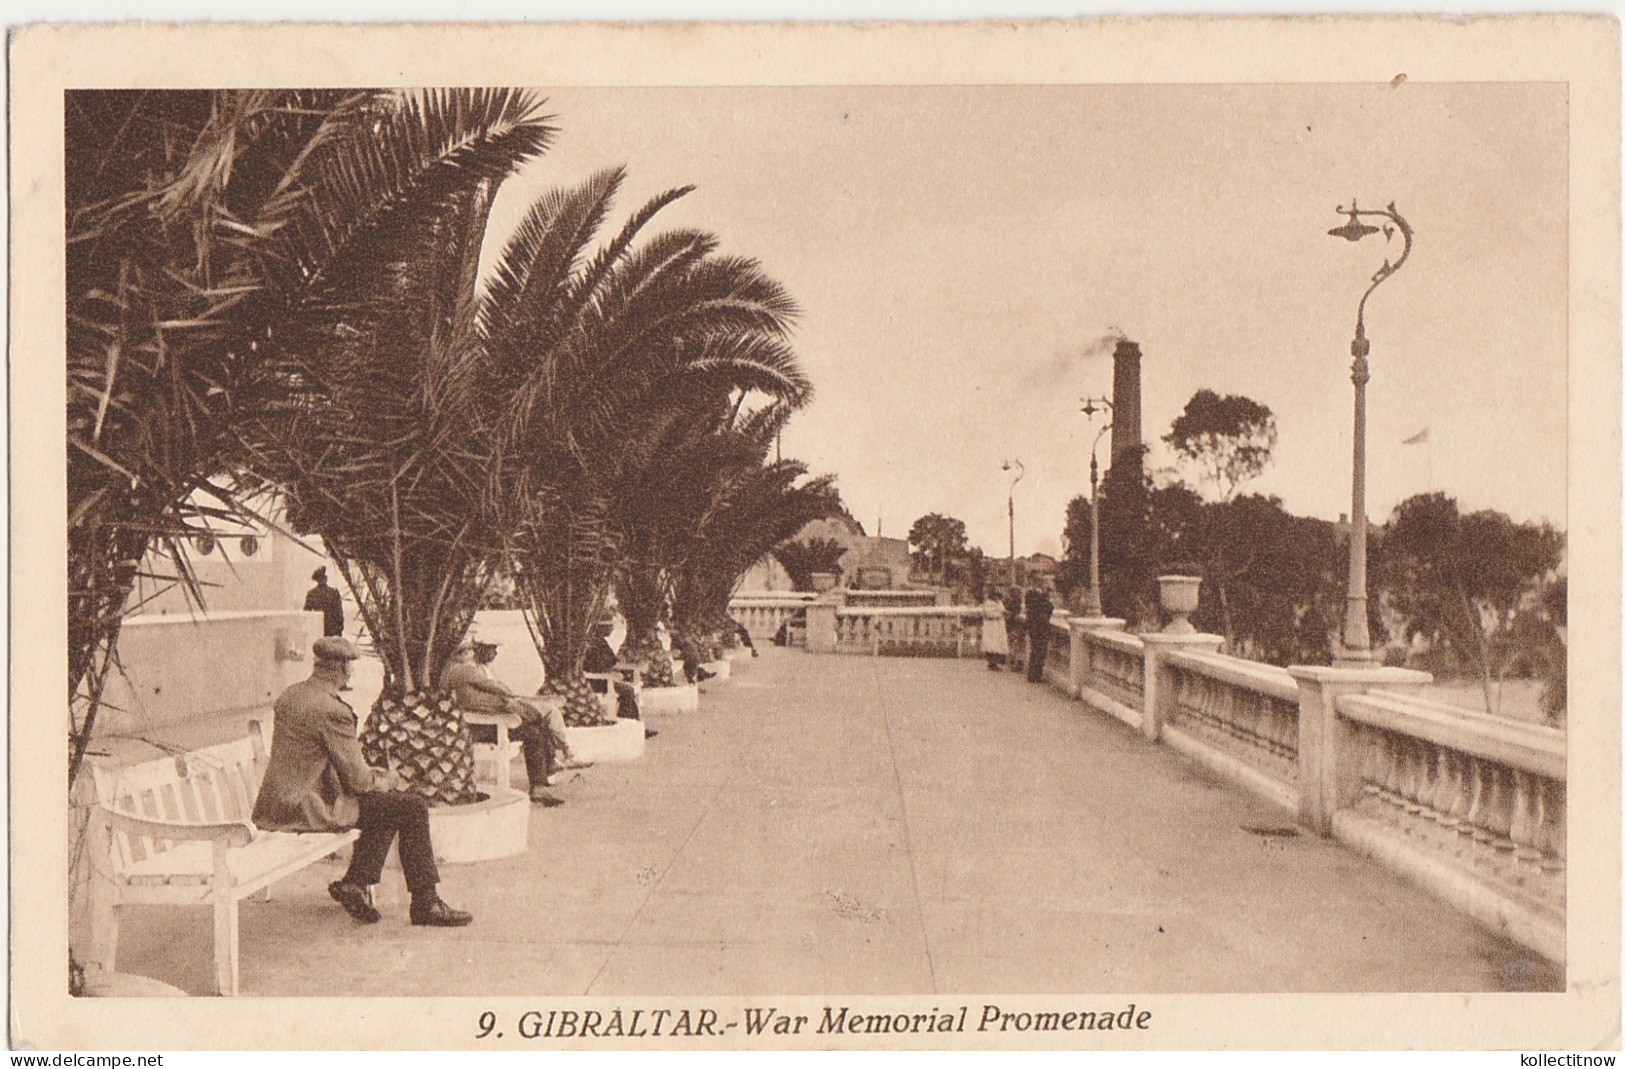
x: 876, y: 564
x: 870, y: 562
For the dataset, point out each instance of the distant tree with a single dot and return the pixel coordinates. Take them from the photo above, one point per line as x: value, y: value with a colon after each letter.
x: 975, y: 580
x: 1276, y: 577
x: 1554, y: 603
x: 1227, y: 439
x: 1463, y: 580
x: 800, y: 559
x: 938, y: 540
x: 1128, y: 556
x: 1073, y: 575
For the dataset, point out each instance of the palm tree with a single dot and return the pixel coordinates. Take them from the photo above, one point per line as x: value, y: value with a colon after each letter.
x: 199, y: 225
x: 665, y: 503
x: 383, y: 447
x: 755, y: 510
x: 802, y: 558
x: 589, y: 349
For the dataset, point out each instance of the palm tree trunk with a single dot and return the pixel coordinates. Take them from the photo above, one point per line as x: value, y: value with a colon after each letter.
x: 1477, y: 621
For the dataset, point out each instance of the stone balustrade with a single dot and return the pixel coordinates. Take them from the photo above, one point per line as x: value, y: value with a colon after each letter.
x: 938, y: 631
x: 1458, y: 799
x: 1240, y: 712
x: 1058, y: 660
x: 763, y: 615
x: 1108, y: 669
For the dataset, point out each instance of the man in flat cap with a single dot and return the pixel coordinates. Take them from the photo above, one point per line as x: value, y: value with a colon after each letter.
x: 325, y: 600
x: 316, y: 780
x: 541, y: 730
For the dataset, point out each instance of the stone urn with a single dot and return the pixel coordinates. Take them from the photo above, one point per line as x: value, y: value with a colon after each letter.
x: 1178, y: 594
x: 823, y: 581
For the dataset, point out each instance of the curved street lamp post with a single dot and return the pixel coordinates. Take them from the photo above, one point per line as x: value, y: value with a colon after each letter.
x: 1091, y: 604
x: 1020, y: 471
x: 1356, y: 645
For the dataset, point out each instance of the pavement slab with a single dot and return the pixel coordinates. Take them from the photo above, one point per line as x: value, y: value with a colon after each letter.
x: 861, y: 825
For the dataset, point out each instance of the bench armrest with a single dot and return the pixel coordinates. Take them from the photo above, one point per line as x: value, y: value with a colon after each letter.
x: 233, y: 832
x: 507, y: 720
x: 631, y: 675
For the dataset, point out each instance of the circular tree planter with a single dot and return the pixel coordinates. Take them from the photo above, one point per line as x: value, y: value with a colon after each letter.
x: 497, y: 826
x: 607, y: 744
x: 683, y: 699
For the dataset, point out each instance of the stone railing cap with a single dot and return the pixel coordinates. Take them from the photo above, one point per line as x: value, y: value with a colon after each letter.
x: 1097, y: 623
x: 1163, y: 638
x: 1374, y: 676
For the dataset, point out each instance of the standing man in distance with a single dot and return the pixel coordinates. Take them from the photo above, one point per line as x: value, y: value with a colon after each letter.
x: 1038, y: 609
x: 325, y: 600
x: 317, y: 781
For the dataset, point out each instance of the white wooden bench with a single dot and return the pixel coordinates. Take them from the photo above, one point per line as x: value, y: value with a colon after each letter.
x: 177, y: 831
x: 493, y: 761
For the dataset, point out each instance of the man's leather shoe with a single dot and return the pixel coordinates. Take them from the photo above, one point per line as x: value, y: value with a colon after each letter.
x: 356, y: 900
x: 436, y: 913
x: 542, y: 798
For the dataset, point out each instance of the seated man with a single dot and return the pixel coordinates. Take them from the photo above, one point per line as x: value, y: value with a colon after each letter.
x: 692, y: 672
x: 743, y: 634
x: 316, y: 780
x: 540, y: 732
x: 601, y: 660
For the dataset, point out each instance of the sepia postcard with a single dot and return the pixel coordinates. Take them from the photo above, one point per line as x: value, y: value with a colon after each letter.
x: 988, y: 535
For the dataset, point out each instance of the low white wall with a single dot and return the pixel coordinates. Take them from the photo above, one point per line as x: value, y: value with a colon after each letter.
x: 181, y: 674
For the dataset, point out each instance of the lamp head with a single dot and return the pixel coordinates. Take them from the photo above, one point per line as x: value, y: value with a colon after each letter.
x: 1353, y: 230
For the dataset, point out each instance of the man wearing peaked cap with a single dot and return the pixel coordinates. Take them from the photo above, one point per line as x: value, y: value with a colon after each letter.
x: 317, y: 781
x: 325, y: 600
x: 541, y: 731
x: 333, y: 648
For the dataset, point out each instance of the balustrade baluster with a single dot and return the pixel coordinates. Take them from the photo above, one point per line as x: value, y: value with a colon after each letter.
x: 1409, y: 779
x: 1526, y: 817
x: 1554, y: 842
x: 1474, y: 824
x: 1437, y: 799
x: 1286, y: 730
x: 1498, y: 808
x: 1377, y: 750
x: 1460, y: 791
x: 1440, y: 800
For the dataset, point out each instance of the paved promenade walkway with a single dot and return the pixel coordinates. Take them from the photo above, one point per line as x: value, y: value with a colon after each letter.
x: 863, y: 825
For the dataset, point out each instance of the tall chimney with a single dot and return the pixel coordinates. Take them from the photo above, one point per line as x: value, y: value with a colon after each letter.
x: 1126, y: 405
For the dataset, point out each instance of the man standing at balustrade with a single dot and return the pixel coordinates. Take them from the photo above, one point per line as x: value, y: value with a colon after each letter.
x: 995, y: 639
x: 1039, y: 608
x: 1014, y: 632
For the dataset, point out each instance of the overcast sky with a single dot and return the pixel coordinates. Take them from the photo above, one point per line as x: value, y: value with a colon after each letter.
x: 958, y: 251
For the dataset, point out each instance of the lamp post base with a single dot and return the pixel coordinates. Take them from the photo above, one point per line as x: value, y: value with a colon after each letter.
x: 1091, y: 602
x: 1347, y: 658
